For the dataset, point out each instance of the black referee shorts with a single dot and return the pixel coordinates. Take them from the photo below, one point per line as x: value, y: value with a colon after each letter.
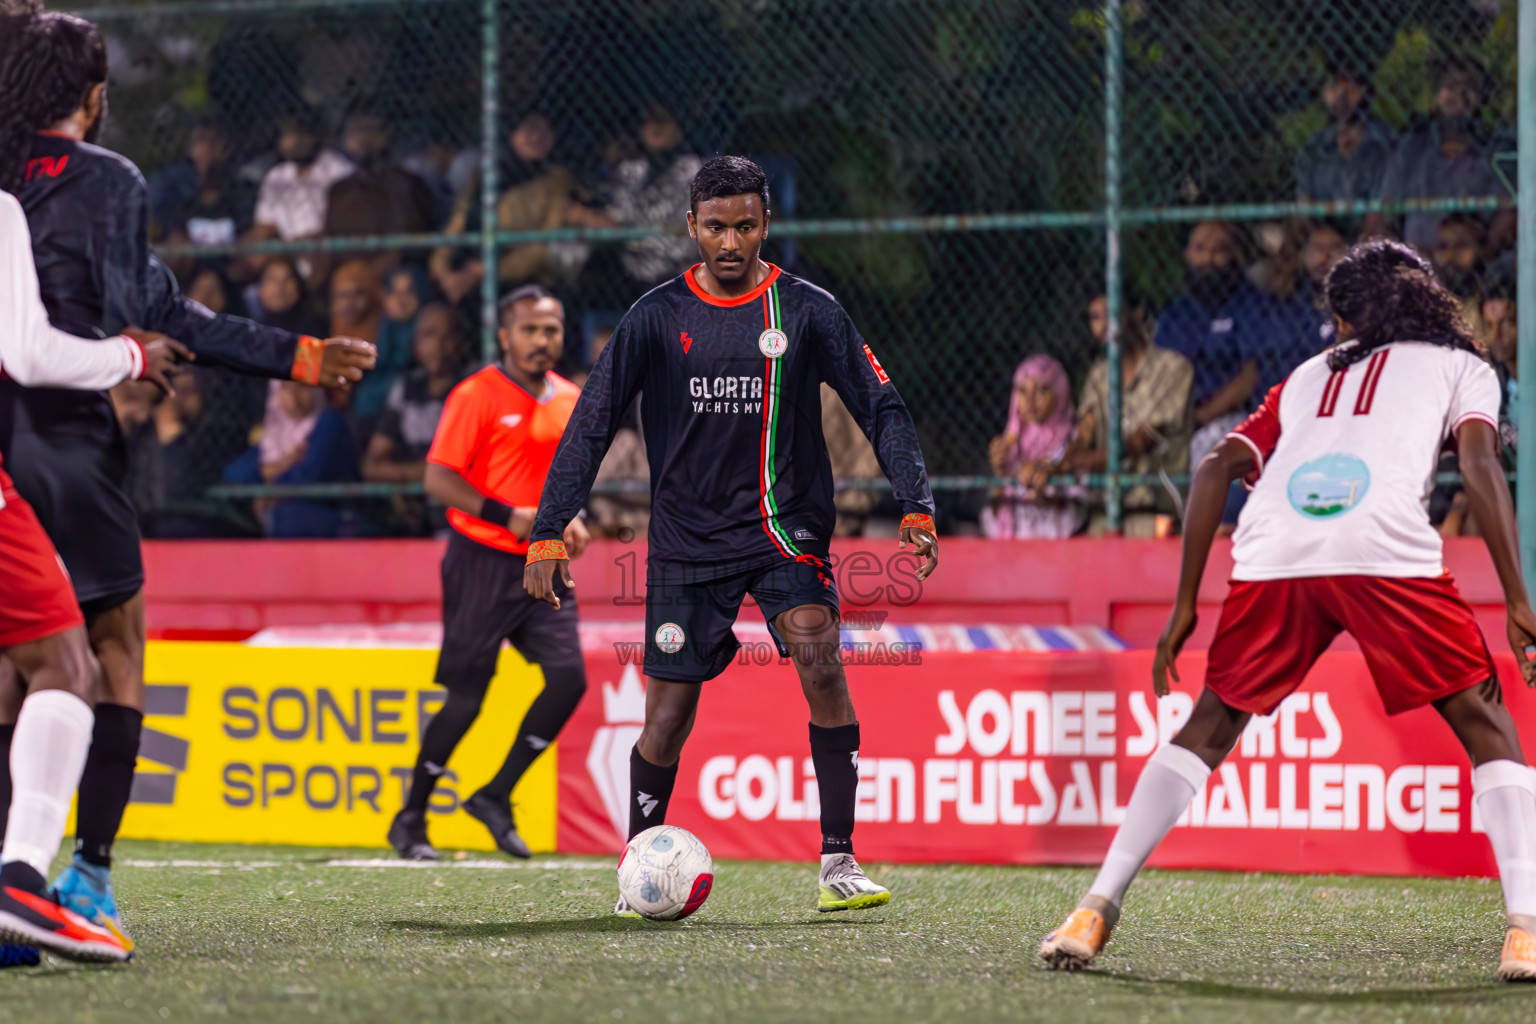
x: 688, y: 635
x: 75, y: 482
x: 484, y: 603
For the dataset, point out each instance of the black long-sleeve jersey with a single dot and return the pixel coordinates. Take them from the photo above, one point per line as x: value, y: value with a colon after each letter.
x: 732, y: 418
x: 88, y: 209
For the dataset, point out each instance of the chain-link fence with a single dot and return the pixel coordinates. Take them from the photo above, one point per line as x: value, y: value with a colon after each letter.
x: 939, y: 165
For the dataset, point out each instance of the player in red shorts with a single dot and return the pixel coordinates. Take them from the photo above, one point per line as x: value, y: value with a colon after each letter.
x: 1336, y: 538
x: 42, y: 630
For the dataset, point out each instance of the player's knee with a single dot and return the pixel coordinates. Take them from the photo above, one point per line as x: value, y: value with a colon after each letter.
x: 570, y: 679
x: 823, y: 677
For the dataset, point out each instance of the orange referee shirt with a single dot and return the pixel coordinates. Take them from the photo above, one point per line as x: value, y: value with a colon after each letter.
x: 501, y: 439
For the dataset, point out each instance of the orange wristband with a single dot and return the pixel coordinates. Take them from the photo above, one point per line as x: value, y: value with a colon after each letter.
x: 918, y: 521
x: 542, y: 550
x: 306, y: 360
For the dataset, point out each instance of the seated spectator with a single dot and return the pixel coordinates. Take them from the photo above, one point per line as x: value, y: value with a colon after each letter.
x: 1155, y: 418
x: 1445, y: 156
x: 1457, y: 255
x: 1040, y: 422
x: 279, y: 298
x: 1306, y: 328
x: 853, y: 458
x: 357, y: 301
x: 292, y: 200
x: 379, y: 197
x: 1222, y: 325
x: 405, y: 288
x: 652, y: 190
x: 1500, y: 335
x: 173, y: 459
x: 1348, y: 159
x: 209, y: 286
x: 302, y: 441
x: 200, y: 199
x: 397, y: 450
x: 539, y: 195
x: 625, y: 516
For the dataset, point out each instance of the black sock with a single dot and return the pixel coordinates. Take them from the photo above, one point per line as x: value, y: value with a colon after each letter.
x: 443, y: 734
x: 547, y: 715
x: 835, y: 752
x: 650, y: 790
x: 6, y: 732
x: 107, y: 782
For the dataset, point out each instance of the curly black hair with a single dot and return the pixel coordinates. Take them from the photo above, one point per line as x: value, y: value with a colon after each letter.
x: 1387, y: 292
x: 727, y: 176
x: 48, y: 63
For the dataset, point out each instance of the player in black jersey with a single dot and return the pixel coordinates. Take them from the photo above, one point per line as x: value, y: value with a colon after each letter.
x: 731, y: 356
x: 87, y: 208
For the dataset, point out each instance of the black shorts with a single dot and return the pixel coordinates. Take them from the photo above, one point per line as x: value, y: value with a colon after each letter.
x: 695, y: 619
x: 74, y: 480
x: 484, y: 603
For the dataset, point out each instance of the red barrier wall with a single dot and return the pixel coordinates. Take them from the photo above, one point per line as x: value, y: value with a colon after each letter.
x: 233, y: 588
x: 1030, y: 759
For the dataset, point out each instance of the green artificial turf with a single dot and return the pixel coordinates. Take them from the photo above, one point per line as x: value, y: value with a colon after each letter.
x: 275, y: 934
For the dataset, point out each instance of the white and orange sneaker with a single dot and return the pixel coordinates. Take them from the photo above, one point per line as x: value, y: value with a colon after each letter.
x: 1078, y: 941
x: 1518, y: 961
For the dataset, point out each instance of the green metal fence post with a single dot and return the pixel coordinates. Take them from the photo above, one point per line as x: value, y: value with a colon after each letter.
x: 490, y: 75
x: 1113, y: 95
x: 1525, y: 298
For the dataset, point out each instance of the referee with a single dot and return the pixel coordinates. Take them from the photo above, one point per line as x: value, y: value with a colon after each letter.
x: 493, y: 447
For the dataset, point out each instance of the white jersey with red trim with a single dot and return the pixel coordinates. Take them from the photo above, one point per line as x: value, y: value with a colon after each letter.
x: 1347, y: 462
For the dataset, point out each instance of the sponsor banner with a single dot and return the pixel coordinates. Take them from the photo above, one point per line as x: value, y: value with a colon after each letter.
x: 1031, y: 758
x: 315, y: 747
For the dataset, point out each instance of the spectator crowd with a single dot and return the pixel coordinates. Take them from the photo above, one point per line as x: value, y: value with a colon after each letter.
x: 1248, y: 314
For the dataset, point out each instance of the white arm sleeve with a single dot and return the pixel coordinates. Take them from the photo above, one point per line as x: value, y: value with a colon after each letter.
x: 32, y: 351
x: 1474, y: 393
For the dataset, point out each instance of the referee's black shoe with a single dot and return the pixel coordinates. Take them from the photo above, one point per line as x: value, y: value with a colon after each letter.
x: 496, y: 815
x: 408, y: 835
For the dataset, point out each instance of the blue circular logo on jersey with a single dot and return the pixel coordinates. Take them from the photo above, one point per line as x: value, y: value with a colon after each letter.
x: 1329, y: 486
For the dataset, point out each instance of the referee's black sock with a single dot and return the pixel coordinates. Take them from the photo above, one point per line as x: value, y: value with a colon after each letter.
x: 107, y: 782
x: 835, y: 753
x: 443, y: 734
x: 650, y: 790
x: 6, y: 732
x: 547, y: 715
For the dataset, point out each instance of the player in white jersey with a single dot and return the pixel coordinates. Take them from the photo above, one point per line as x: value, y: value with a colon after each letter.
x: 1336, y: 538
x: 42, y: 630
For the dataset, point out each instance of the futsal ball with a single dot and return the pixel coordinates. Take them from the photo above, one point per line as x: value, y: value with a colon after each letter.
x: 665, y: 873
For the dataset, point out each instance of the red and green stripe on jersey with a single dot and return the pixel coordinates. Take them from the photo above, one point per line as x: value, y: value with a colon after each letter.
x: 772, y: 402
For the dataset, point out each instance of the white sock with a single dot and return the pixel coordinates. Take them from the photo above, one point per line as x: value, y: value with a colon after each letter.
x: 1503, y: 791
x: 48, y: 748
x: 1169, y: 781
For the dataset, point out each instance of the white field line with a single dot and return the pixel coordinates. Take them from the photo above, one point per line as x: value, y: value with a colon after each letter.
x: 483, y: 865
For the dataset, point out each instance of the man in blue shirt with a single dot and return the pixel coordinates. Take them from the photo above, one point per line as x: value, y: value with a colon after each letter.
x: 1348, y: 158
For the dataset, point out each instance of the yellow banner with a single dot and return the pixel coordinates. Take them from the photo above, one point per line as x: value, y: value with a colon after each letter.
x: 315, y: 747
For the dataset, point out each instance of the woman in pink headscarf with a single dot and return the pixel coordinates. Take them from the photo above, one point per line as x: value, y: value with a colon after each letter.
x: 1040, y: 423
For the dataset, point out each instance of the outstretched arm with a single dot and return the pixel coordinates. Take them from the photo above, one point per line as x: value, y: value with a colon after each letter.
x: 1477, y: 443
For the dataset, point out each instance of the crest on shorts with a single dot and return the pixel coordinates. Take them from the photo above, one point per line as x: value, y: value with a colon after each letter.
x: 1329, y: 486
x: 773, y: 342
x: 669, y: 637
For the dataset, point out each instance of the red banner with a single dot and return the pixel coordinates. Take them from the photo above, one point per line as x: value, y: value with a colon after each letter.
x: 1007, y: 757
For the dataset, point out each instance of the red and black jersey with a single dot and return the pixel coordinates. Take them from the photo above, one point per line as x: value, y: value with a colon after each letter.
x: 88, y: 209
x: 740, y: 477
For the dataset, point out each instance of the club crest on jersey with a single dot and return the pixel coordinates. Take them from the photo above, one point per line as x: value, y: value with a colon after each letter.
x: 773, y: 342
x: 669, y: 637
x: 1329, y: 486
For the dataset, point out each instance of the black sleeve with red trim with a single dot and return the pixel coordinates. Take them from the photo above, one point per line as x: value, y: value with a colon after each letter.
x: 1261, y: 432
x: 137, y: 289
x: 609, y: 390
x: 849, y: 365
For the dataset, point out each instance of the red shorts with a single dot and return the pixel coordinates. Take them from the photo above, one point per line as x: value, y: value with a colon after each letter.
x: 36, y: 599
x: 1418, y: 637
